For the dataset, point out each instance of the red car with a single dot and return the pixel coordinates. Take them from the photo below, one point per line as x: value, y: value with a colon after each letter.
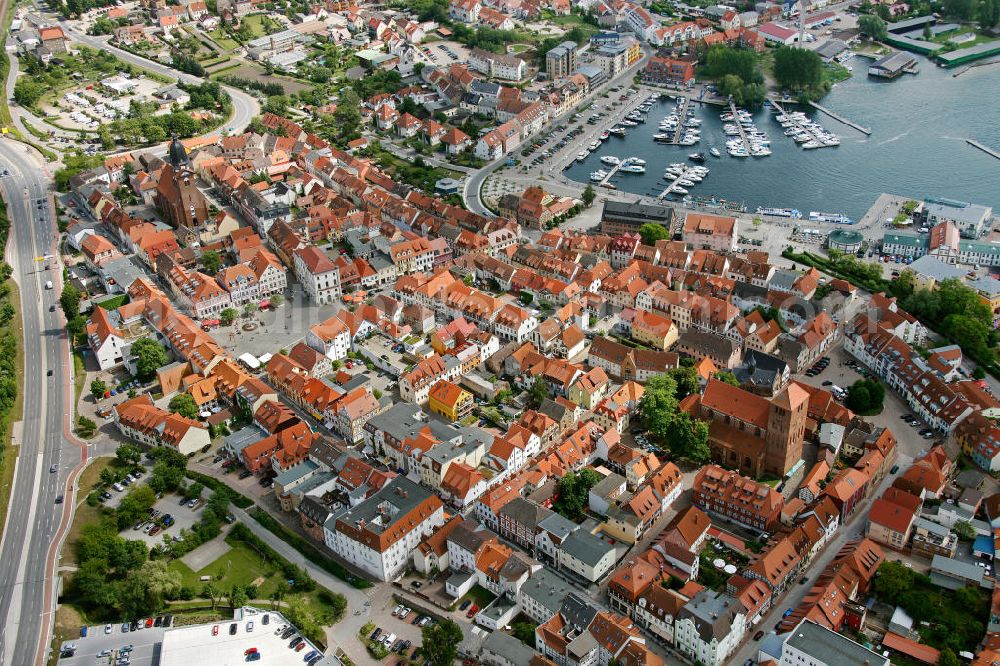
x: 149, y: 621
x: 249, y: 651
x: 300, y: 646
x: 215, y: 630
x: 472, y: 611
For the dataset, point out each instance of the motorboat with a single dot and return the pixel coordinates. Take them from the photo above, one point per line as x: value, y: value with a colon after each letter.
x: 634, y: 160
x: 697, y: 157
x: 714, y: 152
x: 610, y: 159
x: 678, y: 189
x: 598, y: 176
x: 617, y: 131
x: 605, y: 134
x: 582, y: 156
x: 633, y: 168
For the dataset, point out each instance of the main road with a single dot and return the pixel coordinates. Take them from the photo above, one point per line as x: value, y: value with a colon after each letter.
x: 35, y: 522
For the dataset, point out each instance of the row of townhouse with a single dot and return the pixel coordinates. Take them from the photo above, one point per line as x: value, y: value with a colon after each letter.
x: 940, y: 404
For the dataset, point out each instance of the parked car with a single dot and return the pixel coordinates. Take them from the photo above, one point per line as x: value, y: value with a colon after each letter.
x: 465, y: 604
x: 472, y: 611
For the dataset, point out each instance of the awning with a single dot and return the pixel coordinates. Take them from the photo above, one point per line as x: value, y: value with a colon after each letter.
x: 265, y: 303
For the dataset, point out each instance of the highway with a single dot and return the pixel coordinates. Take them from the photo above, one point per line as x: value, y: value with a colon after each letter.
x: 35, y: 523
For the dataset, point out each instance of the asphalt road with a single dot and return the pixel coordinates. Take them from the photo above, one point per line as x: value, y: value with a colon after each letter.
x: 35, y: 523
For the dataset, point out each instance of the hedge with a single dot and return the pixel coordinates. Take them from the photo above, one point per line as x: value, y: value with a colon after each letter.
x: 309, y: 551
x: 239, y: 499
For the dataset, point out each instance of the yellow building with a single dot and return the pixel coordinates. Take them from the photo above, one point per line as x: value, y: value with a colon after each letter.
x: 449, y: 400
x: 634, y: 52
x: 655, y: 330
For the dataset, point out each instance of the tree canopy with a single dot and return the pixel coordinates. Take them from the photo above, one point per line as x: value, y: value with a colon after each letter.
x: 865, y: 396
x: 651, y: 233
x: 184, y: 404
x: 799, y: 70
x: 574, y: 488
x: 150, y: 356
x: 872, y: 27
x: 440, y: 642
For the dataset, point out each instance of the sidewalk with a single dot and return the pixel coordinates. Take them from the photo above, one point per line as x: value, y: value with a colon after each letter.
x: 342, y: 635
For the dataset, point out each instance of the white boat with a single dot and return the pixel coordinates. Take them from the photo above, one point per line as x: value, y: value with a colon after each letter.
x: 582, y: 156
x: 610, y: 159
x: 780, y: 212
x: 685, y: 182
x: 629, y: 123
x: 836, y: 218
x: 812, y: 144
x: 714, y: 152
x: 633, y: 168
x: 678, y: 189
x: 594, y: 145
x: 598, y: 176
x: 634, y: 160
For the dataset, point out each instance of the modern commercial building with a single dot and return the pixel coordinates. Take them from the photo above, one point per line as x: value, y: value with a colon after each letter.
x: 810, y: 644
x: 561, y: 60
x: 619, y: 218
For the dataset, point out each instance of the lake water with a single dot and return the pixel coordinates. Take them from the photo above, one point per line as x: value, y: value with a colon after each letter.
x: 917, y: 147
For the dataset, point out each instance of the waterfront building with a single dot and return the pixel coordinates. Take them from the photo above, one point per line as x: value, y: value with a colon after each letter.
x: 619, y: 218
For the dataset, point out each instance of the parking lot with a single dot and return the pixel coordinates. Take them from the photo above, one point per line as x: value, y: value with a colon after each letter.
x: 184, y: 518
x: 394, y: 631
x: 89, y: 107
x: 444, y: 53
x: 145, y: 644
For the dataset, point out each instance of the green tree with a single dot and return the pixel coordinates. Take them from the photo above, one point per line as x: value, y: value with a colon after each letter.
x: 27, y: 91
x: 988, y: 13
x: 69, y: 300
x: 135, y: 506
x: 872, y: 27
x: 277, y: 300
x: 211, y: 262
x: 798, y: 69
x: 347, y: 117
x: 537, y: 393
x: 659, y: 405
x: 524, y: 632
x: 948, y: 658
x: 237, y: 597
x: 97, y: 389
x: 228, y: 316
x: 150, y: 356
x: 128, y: 454
x: 211, y: 592
x: 184, y: 404
x: 440, y: 641
x: 960, y: 9
x: 689, y: 438
x: 588, y: 195
x: 573, y: 492
x: 893, y: 582
x: 727, y: 377
x: 652, y: 232
x: 686, y: 378
x: 965, y: 530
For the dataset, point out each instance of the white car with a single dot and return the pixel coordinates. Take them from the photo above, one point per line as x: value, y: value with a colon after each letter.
x: 404, y: 613
x: 396, y: 611
x: 107, y: 628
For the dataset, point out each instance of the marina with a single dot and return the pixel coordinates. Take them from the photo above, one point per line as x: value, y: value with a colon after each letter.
x: 909, y: 151
x: 804, y: 131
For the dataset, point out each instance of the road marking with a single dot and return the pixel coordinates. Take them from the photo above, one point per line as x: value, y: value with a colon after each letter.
x: 12, y: 622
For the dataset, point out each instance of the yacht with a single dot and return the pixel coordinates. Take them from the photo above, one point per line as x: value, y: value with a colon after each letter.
x: 617, y: 131
x: 685, y: 182
x: 697, y: 157
x: 633, y: 168
x: 629, y: 123
x: 836, y: 218
x: 594, y: 145
x: 610, y: 159
x: 582, y: 156
x: 635, y: 160
x: 663, y: 138
x: 598, y: 176
x: 678, y: 189
x: 605, y: 134
x: 714, y: 152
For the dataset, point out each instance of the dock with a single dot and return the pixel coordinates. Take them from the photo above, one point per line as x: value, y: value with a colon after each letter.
x: 670, y: 187
x: 986, y: 149
x: 682, y: 116
x: 781, y: 111
x: 739, y: 126
x: 840, y: 119
x: 607, y: 179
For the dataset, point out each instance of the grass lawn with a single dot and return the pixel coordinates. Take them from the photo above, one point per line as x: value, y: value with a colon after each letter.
x: 222, y: 38
x: 85, y: 515
x: 242, y: 566
x: 114, y: 302
x: 9, y: 453
x: 478, y: 595
x: 68, y: 623
x: 520, y: 48
x: 256, y: 23
x: 79, y: 375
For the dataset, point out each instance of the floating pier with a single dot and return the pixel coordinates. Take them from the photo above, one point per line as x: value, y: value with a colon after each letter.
x: 985, y: 149
x: 839, y: 118
x: 681, y: 118
x: 673, y: 184
x: 820, y: 141
x: 739, y: 126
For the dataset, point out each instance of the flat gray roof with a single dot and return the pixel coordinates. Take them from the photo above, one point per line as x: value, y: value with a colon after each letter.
x: 830, y: 647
